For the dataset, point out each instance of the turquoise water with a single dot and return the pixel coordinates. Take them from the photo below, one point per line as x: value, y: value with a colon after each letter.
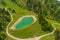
x: 24, y: 22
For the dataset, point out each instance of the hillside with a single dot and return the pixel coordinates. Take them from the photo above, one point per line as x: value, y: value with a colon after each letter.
x: 46, y: 12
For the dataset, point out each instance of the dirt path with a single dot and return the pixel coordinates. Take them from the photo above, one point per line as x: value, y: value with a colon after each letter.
x: 35, y: 38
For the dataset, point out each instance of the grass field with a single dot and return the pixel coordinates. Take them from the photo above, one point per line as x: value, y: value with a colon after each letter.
x: 50, y: 37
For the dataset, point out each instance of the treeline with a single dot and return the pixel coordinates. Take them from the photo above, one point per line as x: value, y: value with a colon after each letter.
x: 45, y: 26
x: 57, y: 15
x: 4, y: 20
x: 57, y: 34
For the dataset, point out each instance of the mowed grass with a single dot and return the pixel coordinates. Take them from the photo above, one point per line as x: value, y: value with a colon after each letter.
x: 50, y: 37
x: 8, y: 38
x: 31, y: 31
x: 57, y: 26
x: 28, y: 32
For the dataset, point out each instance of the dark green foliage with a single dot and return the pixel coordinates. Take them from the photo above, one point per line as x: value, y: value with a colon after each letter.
x: 29, y: 4
x: 13, y: 11
x: 45, y: 25
x: 4, y: 20
x: 2, y: 35
x: 33, y: 5
x: 36, y: 6
x: 9, y: 8
x: 3, y: 3
x: 13, y: 1
x: 57, y: 35
x: 57, y: 16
